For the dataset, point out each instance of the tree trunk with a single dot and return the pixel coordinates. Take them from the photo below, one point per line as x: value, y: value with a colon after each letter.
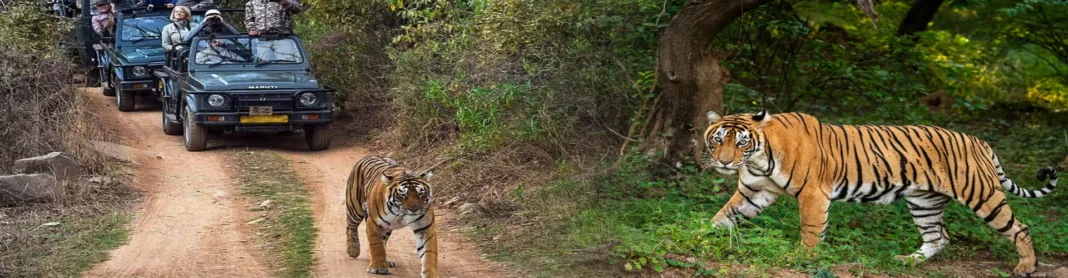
x: 918, y: 17
x: 692, y: 78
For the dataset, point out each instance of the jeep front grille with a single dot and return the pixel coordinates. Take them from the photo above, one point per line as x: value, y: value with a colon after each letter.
x: 279, y: 102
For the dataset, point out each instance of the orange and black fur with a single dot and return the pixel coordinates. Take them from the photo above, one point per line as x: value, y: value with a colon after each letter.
x: 794, y: 154
x: 392, y: 197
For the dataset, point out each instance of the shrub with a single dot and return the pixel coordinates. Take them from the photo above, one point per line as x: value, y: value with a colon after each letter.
x: 40, y: 111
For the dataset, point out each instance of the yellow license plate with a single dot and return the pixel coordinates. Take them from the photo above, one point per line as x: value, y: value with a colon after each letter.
x: 272, y: 119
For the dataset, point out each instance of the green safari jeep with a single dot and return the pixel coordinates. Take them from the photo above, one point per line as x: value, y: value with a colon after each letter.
x: 237, y: 82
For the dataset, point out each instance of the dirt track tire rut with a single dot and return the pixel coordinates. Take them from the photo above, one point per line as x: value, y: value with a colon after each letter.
x: 190, y: 224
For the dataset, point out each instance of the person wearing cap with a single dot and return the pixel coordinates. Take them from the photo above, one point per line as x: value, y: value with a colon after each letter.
x: 213, y: 24
x: 174, y: 33
x: 157, y: 3
x: 105, y: 20
x: 197, y: 4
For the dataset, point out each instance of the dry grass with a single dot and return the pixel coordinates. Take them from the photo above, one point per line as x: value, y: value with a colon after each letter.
x: 42, y: 115
x: 64, y: 238
x: 41, y: 112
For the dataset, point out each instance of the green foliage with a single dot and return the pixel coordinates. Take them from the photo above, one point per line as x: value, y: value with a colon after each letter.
x: 23, y: 28
x: 346, y: 42
x: 798, y: 58
x: 552, y: 55
x: 1036, y: 33
x: 491, y: 117
x: 824, y: 56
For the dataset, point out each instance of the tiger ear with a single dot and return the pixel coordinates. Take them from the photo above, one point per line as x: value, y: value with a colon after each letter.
x: 762, y: 117
x: 425, y: 175
x: 386, y: 179
x: 712, y: 117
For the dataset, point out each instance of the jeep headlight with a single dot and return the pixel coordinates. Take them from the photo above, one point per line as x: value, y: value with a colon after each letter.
x: 140, y: 71
x: 308, y: 99
x: 216, y: 101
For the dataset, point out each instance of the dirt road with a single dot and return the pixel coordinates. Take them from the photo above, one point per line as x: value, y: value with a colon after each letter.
x: 192, y: 223
x: 325, y: 174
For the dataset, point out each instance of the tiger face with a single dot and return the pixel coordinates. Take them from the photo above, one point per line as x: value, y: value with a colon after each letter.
x: 408, y: 194
x: 730, y: 141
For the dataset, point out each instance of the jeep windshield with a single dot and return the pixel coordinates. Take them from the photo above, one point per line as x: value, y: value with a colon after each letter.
x: 248, y: 51
x: 143, y: 28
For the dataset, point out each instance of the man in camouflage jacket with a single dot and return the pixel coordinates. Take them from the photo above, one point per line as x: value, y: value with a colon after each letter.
x: 271, y: 16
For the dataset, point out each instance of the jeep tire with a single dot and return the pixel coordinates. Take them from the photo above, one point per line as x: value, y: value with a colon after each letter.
x: 318, y: 137
x: 107, y: 83
x: 92, y: 78
x: 196, y: 136
x: 123, y: 99
x: 169, y: 127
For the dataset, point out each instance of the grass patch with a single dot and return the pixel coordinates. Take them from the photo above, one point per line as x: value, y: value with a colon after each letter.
x: 285, y: 226
x: 632, y: 220
x: 64, y: 250
x: 66, y: 238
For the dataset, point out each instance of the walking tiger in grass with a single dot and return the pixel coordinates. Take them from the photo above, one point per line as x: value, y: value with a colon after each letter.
x: 796, y: 155
x: 392, y: 197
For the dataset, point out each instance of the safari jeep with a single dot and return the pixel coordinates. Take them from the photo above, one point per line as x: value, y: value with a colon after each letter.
x: 126, y: 61
x: 82, y: 37
x: 242, y: 83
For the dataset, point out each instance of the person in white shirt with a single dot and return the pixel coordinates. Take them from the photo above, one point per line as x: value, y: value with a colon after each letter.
x: 216, y: 53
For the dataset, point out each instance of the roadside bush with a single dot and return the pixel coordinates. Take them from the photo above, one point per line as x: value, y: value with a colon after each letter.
x: 347, y: 41
x: 553, y: 58
x: 40, y: 111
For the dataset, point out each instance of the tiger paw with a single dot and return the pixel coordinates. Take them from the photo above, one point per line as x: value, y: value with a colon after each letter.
x: 391, y: 263
x: 1024, y: 270
x: 378, y: 270
x: 353, y: 250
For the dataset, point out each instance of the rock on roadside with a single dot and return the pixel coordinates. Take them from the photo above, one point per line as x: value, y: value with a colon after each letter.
x: 23, y: 188
x: 59, y: 164
x: 467, y: 208
x: 122, y: 153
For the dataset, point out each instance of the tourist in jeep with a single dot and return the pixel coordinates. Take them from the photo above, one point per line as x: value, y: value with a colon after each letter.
x: 214, y: 25
x: 216, y: 53
x: 174, y: 33
x: 105, y: 20
x: 271, y: 16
